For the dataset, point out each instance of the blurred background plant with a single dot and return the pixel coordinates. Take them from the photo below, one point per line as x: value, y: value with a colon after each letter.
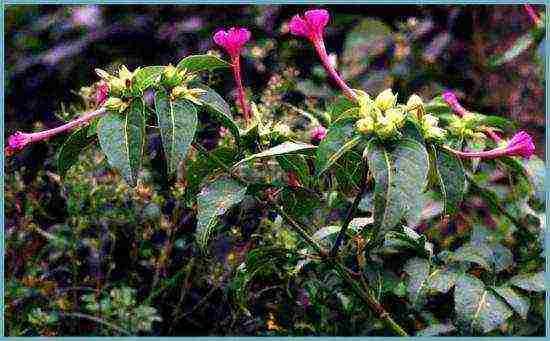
x: 86, y: 255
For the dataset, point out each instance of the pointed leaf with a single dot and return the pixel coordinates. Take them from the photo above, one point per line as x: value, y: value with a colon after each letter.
x: 437, y: 329
x: 478, y: 308
x: 202, y: 62
x: 520, y: 45
x: 134, y: 129
x: 214, y: 200
x: 72, y: 148
x: 282, y: 149
x: 515, y: 300
x: 113, y: 140
x: 221, y: 110
x: 147, y: 76
x: 478, y: 253
x: 177, y: 121
x: 452, y: 179
x: 341, y: 137
x: 529, y: 282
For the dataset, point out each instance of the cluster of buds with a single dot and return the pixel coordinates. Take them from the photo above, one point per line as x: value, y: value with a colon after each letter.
x: 119, y: 88
x: 177, y: 80
x: 382, y: 116
x: 429, y: 124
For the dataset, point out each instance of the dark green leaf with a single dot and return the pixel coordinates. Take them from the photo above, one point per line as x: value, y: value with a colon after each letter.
x: 529, y: 282
x: 519, y: 303
x: 219, y: 107
x: 214, y: 200
x: 340, y: 106
x: 72, y: 148
x: 135, y: 135
x: 437, y: 329
x: 117, y: 136
x: 478, y: 253
x: 341, y: 137
x: 203, y: 62
x: 177, y: 122
x: 282, y: 149
x: 452, y: 179
x: 478, y: 308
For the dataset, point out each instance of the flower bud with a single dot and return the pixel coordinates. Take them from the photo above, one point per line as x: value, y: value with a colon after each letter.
x: 386, y: 127
x: 115, y: 104
x: 385, y: 100
x: 171, y: 77
x: 415, y: 106
x: 103, y: 74
x: 282, y: 129
x: 396, y: 116
x: 117, y: 86
x: 365, y: 125
x: 124, y: 74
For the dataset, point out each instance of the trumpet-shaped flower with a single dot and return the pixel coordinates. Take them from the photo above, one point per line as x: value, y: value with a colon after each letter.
x: 232, y: 40
x: 521, y: 144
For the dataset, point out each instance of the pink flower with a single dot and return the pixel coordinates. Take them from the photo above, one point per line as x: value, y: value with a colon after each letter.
x: 521, y: 144
x: 312, y: 26
x: 232, y: 40
x: 451, y: 99
x: 318, y: 133
x: 17, y: 142
x: 102, y: 92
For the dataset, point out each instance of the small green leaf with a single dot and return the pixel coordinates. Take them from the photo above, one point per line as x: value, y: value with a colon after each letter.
x: 437, y: 329
x: 134, y: 129
x: 529, y: 282
x: 341, y: 137
x: 478, y: 253
x: 72, y: 148
x: 478, y: 308
x: 214, y: 200
x: 116, y: 136
x: 452, y: 179
x: 520, y: 45
x: 147, y: 76
x: 282, y: 149
x: 203, y: 62
x: 177, y: 122
x: 519, y: 303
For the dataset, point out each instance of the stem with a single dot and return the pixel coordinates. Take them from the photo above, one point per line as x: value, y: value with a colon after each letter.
x: 241, y: 94
x: 370, y: 300
x: 95, y: 319
x: 491, y: 133
x: 322, y: 52
x: 351, y: 213
x: 43, y: 135
x: 489, y: 154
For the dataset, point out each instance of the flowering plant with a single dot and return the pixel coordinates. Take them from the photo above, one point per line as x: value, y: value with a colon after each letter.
x: 385, y: 160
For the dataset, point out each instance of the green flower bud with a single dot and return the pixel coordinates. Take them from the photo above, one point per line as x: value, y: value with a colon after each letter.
x: 124, y: 74
x: 385, y: 100
x: 116, y: 86
x: 103, y: 74
x: 396, y: 116
x: 386, y: 127
x: 415, y: 106
x: 171, y: 77
x: 365, y: 125
x: 116, y: 104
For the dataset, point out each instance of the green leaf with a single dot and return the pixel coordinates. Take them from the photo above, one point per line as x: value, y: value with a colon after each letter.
x: 478, y: 308
x: 177, y: 122
x: 452, y: 179
x: 282, y: 149
x: 437, y: 329
x: 202, y: 62
x: 72, y: 148
x: 423, y: 281
x: 297, y: 164
x: 478, y: 253
x: 219, y: 107
x: 122, y: 139
x: 340, y: 106
x: 519, y: 303
x: 520, y: 45
x: 214, y: 200
x: 147, y: 76
x: 529, y: 282
x: 341, y: 137
x: 400, y: 178
x: 535, y: 169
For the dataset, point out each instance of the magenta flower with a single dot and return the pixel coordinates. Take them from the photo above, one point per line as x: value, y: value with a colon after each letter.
x: 521, y: 144
x: 533, y: 15
x: 318, y: 133
x: 452, y: 101
x: 19, y: 140
x: 102, y: 92
x: 232, y: 40
x: 312, y: 27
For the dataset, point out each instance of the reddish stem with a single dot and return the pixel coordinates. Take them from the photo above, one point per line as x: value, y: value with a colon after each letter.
x: 322, y: 52
x: 490, y: 132
x: 46, y: 134
x: 241, y: 94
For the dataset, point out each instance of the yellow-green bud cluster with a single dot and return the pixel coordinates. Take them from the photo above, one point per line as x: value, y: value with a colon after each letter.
x: 120, y: 88
x: 172, y: 77
x: 382, y: 116
x: 428, y: 123
x: 464, y: 126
